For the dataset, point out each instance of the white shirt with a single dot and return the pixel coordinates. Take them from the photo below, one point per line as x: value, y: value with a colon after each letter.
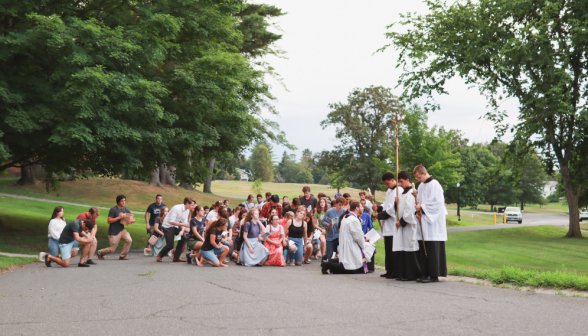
x: 232, y: 220
x: 389, y: 225
x: 267, y: 229
x: 177, y: 214
x: 369, y: 204
x: 351, y: 242
x: 56, y: 226
x: 211, y: 214
x: 405, y: 238
x: 260, y: 205
x: 432, y: 201
x: 248, y: 206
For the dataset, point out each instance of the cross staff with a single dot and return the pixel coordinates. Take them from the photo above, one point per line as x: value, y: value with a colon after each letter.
x: 396, y: 122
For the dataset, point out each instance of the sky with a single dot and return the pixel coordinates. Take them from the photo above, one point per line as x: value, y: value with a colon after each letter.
x: 331, y: 48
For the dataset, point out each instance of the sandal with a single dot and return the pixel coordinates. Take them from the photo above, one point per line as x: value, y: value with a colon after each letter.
x: 306, y: 262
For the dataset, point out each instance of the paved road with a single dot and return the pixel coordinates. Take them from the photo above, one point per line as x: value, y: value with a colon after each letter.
x: 533, y: 219
x: 120, y: 297
x: 56, y: 201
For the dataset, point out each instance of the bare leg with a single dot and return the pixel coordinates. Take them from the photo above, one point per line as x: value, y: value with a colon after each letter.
x: 85, y: 250
x: 223, y: 256
x: 58, y: 261
x: 93, y: 246
x: 323, y: 244
x: 307, y: 253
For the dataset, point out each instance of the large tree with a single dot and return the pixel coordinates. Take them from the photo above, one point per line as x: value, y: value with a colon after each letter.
x: 532, y: 50
x: 363, y: 130
x: 261, y: 163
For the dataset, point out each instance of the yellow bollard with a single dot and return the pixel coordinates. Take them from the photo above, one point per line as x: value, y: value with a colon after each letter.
x: 495, y: 218
x: 505, y: 217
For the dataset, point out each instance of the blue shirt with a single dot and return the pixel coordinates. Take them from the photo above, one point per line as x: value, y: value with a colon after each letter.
x: 332, y: 232
x: 153, y: 211
x: 367, y: 222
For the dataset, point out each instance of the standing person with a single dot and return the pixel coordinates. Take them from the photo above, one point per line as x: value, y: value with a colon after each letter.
x: 352, y: 257
x: 213, y: 246
x: 347, y: 198
x: 248, y: 204
x: 73, y: 235
x: 56, y: 225
x: 367, y: 223
x: 253, y: 253
x: 151, y: 213
x: 226, y: 204
x: 319, y: 214
x: 273, y: 204
x: 431, y: 212
x: 155, y: 249
x: 308, y: 200
x: 274, y: 242
x: 285, y: 201
x: 173, y: 224
x: 196, y: 235
x: 387, y: 218
x: 332, y: 215
x: 92, y: 214
x: 117, y: 231
x: 260, y: 202
x: 297, y: 234
x: 292, y: 206
x: 236, y: 229
x: 405, y: 239
x: 368, y: 204
x: 214, y: 210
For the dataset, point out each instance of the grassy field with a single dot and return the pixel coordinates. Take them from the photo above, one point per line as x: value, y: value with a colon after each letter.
x: 102, y: 192
x: 560, y: 207
x: 7, y: 262
x: 24, y: 228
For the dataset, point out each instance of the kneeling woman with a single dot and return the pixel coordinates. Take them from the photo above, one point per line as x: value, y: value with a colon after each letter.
x: 213, y: 245
x: 253, y: 253
x: 274, y: 242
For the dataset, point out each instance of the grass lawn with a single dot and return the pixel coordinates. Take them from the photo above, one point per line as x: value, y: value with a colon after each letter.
x: 559, y: 207
x: 7, y: 262
x: 103, y: 191
x: 468, y: 220
x: 26, y: 222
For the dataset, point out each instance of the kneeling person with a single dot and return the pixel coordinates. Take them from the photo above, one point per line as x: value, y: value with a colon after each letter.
x: 71, y: 237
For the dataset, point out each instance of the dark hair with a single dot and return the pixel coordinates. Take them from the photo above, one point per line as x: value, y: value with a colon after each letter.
x: 241, y: 213
x: 215, y: 224
x: 305, y: 189
x: 57, y: 210
x: 119, y: 198
x: 318, y: 206
x: 158, y: 195
x: 361, y: 193
x: 340, y: 200
x: 275, y: 198
x: 189, y: 200
x: 345, y: 195
x: 223, y: 213
x: 217, y: 204
x: 404, y: 175
x: 387, y: 176
x: 250, y: 196
x: 206, y: 207
x: 354, y: 205
x: 259, y: 195
x: 196, y: 209
x: 295, y: 202
x: 89, y: 224
x: 271, y: 219
x: 268, y: 194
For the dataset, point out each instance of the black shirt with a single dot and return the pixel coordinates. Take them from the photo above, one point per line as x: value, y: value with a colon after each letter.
x: 306, y: 202
x: 207, y: 246
x: 116, y: 227
x: 200, y: 227
x: 67, y: 235
x: 153, y: 211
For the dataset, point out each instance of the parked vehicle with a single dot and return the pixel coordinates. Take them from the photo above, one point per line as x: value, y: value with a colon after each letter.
x: 514, y: 214
x: 584, y: 214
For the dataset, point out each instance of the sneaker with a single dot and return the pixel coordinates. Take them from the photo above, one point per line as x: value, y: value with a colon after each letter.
x: 145, y: 252
x: 188, y: 259
x: 42, y: 256
x: 289, y: 263
x: 91, y: 262
x: 170, y: 254
x: 83, y: 265
x: 100, y: 256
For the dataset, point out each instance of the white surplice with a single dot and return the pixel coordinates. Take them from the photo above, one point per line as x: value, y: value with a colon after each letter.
x: 389, y: 225
x: 351, y: 243
x: 432, y: 201
x: 405, y: 238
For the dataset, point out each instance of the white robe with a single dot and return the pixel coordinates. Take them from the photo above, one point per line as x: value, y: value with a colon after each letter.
x: 432, y: 201
x: 406, y: 237
x: 351, y: 243
x: 389, y: 225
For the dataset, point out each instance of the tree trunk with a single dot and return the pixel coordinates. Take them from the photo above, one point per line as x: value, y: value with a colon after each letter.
x: 522, y: 205
x: 165, y: 176
x: 373, y: 188
x: 187, y: 186
x: 208, y: 184
x: 573, y: 200
x: 27, y: 177
x: 155, y: 182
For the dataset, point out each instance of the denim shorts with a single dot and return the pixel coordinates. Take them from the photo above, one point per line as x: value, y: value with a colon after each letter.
x: 211, y: 255
x: 67, y: 248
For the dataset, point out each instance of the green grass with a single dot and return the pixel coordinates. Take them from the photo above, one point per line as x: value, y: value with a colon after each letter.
x: 559, y: 207
x: 26, y: 223
x: 468, y: 220
x: 7, y: 262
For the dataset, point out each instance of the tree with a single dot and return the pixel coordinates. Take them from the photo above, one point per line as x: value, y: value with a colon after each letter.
x: 288, y: 168
x: 500, y: 189
x: 261, y: 163
x: 530, y: 180
x: 475, y: 162
x: 338, y: 181
x: 257, y: 187
x: 304, y: 176
x: 363, y: 129
x: 534, y: 51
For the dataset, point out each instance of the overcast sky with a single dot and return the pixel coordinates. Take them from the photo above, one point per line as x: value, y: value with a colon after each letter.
x: 330, y: 47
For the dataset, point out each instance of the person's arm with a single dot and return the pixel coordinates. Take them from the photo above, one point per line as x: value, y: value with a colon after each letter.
x: 147, y: 218
x: 246, y: 240
x: 213, y: 241
x: 111, y: 220
x: 304, y: 235
x: 174, y: 220
x: 94, y: 231
x: 157, y: 229
x: 326, y: 221
x: 80, y: 239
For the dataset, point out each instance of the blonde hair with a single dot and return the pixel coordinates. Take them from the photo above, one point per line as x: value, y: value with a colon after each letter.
x: 250, y: 214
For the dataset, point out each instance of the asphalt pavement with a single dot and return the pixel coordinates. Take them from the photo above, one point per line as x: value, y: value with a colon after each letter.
x: 529, y: 219
x: 143, y: 297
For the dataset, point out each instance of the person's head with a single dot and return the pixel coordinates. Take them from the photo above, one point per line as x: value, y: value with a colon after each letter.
x: 220, y: 224
x: 226, y: 203
x: 121, y: 200
x: 420, y: 173
x: 217, y: 205
x: 321, y: 195
x: 250, y: 198
x: 306, y: 191
x: 301, y: 212
x: 309, y: 216
x: 388, y: 179
x: 356, y: 208
x: 274, y: 199
x: 189, y: 203
x: 57, y: 213
x: 268, y: 195
x: 339, y: 203
x: 241, y: 214
x: 295, y: 202
x: 252, y: 214
x: 404, y: 179
x: 274, y: 212
x: 158, y: 199
x: 87, y: 225
x: 94, y: 212
x: 274, y: 220
x: 198, y: 211
x: 286, y: 199
x: 162, y: 213
x: 222, y: 213
x: 362, y: 195
x: 363, y: 202
x: 322, y: 205
x: 259, y: 198
x: 206, y: 210
x: 347, y: 198
x: 289, y: 215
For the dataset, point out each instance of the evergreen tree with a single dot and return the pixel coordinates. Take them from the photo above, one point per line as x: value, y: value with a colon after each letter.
x: 261, y: 163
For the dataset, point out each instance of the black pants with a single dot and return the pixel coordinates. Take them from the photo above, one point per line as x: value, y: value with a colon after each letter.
x: 170, y: 234
x: 337, y: 268
x: 409, y: 265
x: 391, y: 258
x: 434, y: 264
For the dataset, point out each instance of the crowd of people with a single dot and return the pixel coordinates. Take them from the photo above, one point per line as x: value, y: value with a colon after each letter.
x: 274, y: 232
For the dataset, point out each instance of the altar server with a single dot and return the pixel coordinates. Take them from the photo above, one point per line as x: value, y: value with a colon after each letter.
x: 387, y: 218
